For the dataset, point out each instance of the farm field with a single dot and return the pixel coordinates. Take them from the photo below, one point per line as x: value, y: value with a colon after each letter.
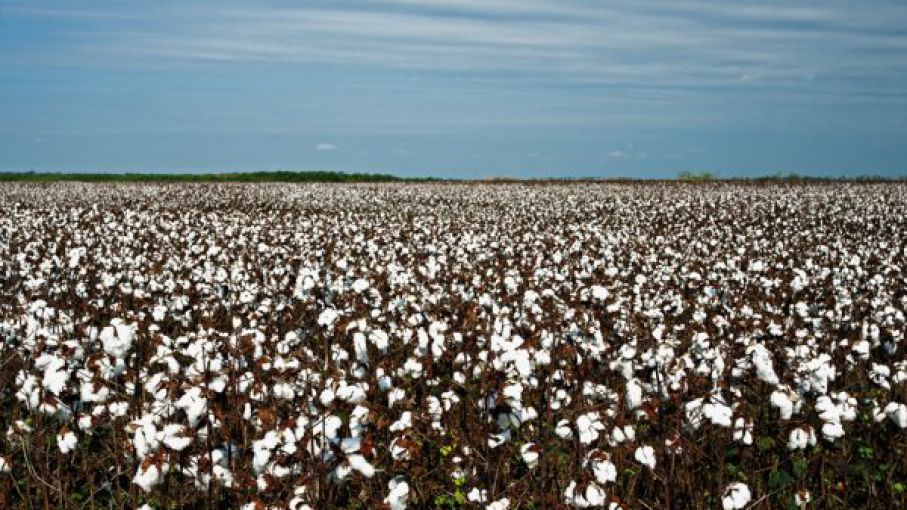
x: 439, y: 345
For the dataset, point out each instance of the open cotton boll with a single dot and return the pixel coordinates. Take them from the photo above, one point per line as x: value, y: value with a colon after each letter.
x: 359, y: 463
x: 780, y: 400
x: 117, y: 338
x: 588, y: 425
x: 633, y: 394
x: 398, y: 494
x: 602, y: 468
x: 897, y: 413
x: 599, y: 293
x: 67, y: 441
x: 405, y: 422
x: 832, y: 430
x: 762, y: 360
x: 530, y: 455
x: 645, y: 455
x: 5, y: 465
x: 175, y: 437
x: 194, y: 404
x: 149, y: 475
x: 800, y: 438
x: 736, y: 496
x: 327, y: 317
x: 563, y: 430
x: 592, y: 496
x: 501, y: 504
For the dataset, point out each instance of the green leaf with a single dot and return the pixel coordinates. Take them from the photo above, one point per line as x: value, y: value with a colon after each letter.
x: 765, y: 443
x: 778, y: 480
x: 799, y: 467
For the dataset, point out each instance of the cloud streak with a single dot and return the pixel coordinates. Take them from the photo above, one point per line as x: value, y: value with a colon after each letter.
x: 667, y: 44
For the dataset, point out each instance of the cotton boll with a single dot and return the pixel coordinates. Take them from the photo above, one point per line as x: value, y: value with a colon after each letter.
x: 645, y: 455
x: 5, y: 465
x: 398, y: 494
x: 501, y: 504
x: 66, y: 441
x: 897, y: 413
x: 149, y: 475
x: 563, y: 430
x: 117, y: 338
x: 633, y: 395
x: 602, y: 468
x: 736, y: 496
x: 588, y: 425
x: 832, y: 430
x: 327, y: 317
x: 405, y: 422
x: 175, y: 437
x: 530, y: 455
x: 780, y: 400
x: 599, y: 293
x: 359, y: 463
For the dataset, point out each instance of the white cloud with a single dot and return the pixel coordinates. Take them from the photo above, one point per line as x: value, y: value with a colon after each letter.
x: 325, y: 147
x: 617, y: 154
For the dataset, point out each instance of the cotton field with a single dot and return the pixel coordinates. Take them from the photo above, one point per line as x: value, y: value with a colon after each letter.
x: 269, y: 346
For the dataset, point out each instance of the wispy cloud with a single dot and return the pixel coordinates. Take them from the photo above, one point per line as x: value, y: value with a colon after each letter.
x: 325, y: 147
x: 675, y: 45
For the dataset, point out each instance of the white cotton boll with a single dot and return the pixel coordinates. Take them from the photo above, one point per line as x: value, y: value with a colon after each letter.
x: 563, y: 430
x: 599, y: 293
x: 477, y: 495
x: 352, y: 393
x: 359, y: 463
x: 762, y: 360
x: 780, y: 400
x: 799, y: 439
x: 736, y: 496
x: 395, y: 395
x: 861, y: 349
x: 145, y: 440
x: 501, y: 504
x: 802, y: 497
x: 588, y: 425
x: 603, y: 469
x: 595, y: 495
x: 645, y: 455
x: 743, y: 431
x: 327, y: 317
x: 379, y: 339
x: 327, y: 396
x: 530, y: 454
x: 118, y: 409
x: 147, y: 477
x: 194, y: 405
x: 5, y: 465
x: 175, y: 437
x: 117, y: 338
x: 360, y: 286
x: 897, y: 413
x: 633, y: 395
x: 832, y: 430
x: 827, y: 409
x: 55, y: 376
x: 405, y: 422
x: 67, y: 441
x: 495, y: 440
x: 261, y: 455
x: 398, y: 494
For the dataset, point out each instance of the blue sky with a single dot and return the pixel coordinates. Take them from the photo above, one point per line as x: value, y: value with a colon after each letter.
x: 461, y: 88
